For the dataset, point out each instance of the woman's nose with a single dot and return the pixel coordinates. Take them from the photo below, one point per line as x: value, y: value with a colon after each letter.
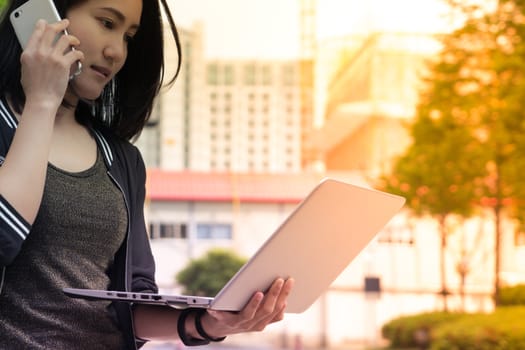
x: 115, y: 51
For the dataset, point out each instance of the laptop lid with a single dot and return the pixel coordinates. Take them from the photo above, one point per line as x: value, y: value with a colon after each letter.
x: 327, y: 230
x: 317, y: 241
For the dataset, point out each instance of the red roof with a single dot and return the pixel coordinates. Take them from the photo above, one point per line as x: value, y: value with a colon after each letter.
x: 164, y: 185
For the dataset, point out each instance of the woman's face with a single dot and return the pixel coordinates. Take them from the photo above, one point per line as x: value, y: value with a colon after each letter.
x: 104, y: 28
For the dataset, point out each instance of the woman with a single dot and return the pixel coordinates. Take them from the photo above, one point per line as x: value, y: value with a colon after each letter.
x: 72, y: 185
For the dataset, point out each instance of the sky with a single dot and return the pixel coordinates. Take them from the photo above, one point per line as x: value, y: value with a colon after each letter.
x: 271, y: 28
x: 243, y: 28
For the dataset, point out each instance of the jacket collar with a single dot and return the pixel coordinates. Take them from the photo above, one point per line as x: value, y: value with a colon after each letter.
x: 104, y: 147
x: 6, y: 115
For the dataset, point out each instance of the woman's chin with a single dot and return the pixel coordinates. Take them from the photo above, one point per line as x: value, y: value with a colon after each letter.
x: 83, y: 91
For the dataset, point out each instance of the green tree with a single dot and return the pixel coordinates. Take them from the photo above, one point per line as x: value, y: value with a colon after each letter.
x: 493, y: 87
x: 438, y: 172
x: 206, y: 276
x: 470, y: 110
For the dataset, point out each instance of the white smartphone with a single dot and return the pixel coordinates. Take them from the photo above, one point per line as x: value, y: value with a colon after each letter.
x: 24, y: 18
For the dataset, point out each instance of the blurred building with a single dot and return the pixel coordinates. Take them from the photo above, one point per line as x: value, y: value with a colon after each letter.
x: 367, y: 88
x: 178, y: 122
x: 254, y: 116
x: 225, y: 115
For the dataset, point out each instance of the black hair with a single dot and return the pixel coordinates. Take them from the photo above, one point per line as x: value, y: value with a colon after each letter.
x: 138, y: 82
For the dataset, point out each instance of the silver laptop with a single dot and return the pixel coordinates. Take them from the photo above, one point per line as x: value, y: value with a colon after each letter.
x: 317, y: 241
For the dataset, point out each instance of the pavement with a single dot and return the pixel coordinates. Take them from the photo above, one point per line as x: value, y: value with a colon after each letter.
x: 180, y: 346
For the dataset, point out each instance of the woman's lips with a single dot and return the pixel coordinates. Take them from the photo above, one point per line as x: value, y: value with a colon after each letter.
x: 102, y: 71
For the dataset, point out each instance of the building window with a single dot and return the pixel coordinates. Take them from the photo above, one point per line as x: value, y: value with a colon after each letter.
x: 214, y: 231
x: 167, y: 230
x: 249, y: 74
x: 229, y: 77
x: 213, y: 74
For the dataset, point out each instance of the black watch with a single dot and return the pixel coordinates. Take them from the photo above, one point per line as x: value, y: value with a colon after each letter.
x: 201, y: 331
x: 181, y: 329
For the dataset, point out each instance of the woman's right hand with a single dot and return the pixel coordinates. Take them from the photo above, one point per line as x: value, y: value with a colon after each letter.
x: 46, y: 62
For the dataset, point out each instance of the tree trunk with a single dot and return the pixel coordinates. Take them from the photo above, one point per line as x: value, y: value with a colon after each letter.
x: 497, y: 231
x: 443, y: 265
x: 497, y: 255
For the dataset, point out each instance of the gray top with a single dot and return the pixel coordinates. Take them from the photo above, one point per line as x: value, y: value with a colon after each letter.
x: 81, y: 224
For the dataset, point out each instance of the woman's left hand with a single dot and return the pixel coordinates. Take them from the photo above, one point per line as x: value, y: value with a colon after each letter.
x: 261, y: 310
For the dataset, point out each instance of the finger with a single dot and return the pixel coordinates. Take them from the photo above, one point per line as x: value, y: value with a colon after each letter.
x: 265, y: 320
x: 271, y: 297
x: 279, y: 316
x: 71, y: 56
x: 65, y: 42
x: 51, y: 32
x: 250, y: 310
x: 285, y: 293
x: 77, y: 65
x: 275, y: 311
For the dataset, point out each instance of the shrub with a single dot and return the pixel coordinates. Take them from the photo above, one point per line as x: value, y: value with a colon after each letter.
x: 404, y: 331
x: 502, y: 330
x: 209, y: 273
x: 514, y: 295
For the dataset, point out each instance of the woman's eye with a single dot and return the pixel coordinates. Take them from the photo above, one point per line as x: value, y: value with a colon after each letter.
x: 106, y: 23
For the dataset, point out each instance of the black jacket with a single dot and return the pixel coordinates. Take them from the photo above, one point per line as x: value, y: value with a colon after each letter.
x: 134, y: 267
